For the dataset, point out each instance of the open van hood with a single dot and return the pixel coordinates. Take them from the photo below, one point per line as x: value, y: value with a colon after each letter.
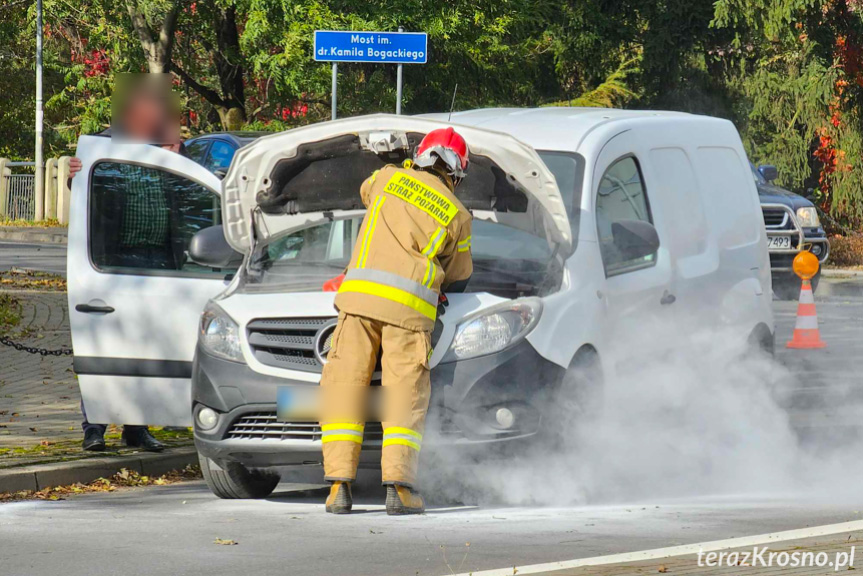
x: 308, y: 175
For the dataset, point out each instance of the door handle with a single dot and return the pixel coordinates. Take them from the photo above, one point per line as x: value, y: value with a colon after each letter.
x: 90, y: 309
x: 667, y: 299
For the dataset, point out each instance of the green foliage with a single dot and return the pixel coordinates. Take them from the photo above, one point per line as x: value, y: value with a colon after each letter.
x: 786, y: 72
x: 613, y: 91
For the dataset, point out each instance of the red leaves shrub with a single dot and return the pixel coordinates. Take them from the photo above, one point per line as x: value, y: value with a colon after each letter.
x: 846, y: 250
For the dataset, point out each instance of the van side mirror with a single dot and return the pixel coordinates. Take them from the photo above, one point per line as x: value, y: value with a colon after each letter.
x: 209, y: 247
x: 634, y: 239
x: 769, y: 172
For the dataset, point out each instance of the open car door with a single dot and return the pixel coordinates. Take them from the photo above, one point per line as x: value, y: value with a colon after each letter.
x: 135, y: 298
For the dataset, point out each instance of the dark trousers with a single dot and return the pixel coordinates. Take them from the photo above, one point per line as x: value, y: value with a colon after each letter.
x: 86, y: 426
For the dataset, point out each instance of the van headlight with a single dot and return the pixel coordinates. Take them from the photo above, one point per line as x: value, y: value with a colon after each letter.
x: 807, y: 217
x: 219, y: 334
x: 494, y: 329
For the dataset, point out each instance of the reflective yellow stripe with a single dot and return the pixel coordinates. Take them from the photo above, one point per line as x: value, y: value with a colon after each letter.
x: 401, y: 441
x: 405, y: 431
x: 431, y: 251
x: 464, y: 245
x: 434, y: 238
x: 342, y: 438
x: 373, y: 176
x: 370, y: 230
x: 421, y: 196
x: 354, y: 427
x: 390, y: 293
x: 430, y: 273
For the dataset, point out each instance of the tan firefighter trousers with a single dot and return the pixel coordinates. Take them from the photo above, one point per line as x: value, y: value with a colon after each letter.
x: 405, y: 385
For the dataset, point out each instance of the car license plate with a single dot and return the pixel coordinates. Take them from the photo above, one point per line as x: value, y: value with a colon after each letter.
x: 778, y: 242
x: 297, y: 404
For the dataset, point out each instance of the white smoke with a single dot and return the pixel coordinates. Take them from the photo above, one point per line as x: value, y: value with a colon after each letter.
x: 689, y: 414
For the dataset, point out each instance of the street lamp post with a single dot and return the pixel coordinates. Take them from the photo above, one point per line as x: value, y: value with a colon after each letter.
x: 38, y: 184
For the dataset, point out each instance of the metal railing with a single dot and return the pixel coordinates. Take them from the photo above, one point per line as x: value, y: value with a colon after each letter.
x: 21, y: 200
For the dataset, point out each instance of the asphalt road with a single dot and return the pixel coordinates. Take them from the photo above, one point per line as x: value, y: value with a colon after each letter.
x: 41, y: 257
x: 172, y: 529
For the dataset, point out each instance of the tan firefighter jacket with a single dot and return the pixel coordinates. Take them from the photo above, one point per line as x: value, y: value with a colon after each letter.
x: 414, y: 241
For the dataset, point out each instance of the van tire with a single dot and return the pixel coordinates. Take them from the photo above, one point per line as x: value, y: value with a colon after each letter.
x: 578, y: 399
x: 233, y: 481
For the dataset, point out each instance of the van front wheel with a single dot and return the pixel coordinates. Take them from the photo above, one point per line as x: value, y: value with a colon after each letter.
x: 232, y: 480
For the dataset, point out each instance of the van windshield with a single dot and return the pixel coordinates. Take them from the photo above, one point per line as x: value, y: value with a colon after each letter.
x: 507, y: 261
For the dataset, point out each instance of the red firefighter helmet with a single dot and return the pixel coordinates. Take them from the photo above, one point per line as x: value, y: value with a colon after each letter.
x: 445, y: 145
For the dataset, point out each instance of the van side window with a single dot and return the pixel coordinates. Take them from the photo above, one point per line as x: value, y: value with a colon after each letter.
x: 142, y: 219
x: 620, y: 196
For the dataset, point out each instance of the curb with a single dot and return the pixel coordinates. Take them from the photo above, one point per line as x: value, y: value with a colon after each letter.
x: 41, y: 476
x: 840, y: 273
x: 34, y: 235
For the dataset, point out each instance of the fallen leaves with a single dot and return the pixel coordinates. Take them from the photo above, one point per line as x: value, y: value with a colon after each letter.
x: 221, y: 542
x: 29, y: 280
x: 123, y: 479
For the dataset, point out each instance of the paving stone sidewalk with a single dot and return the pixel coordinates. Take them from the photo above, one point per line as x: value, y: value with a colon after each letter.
x: 39, y: 398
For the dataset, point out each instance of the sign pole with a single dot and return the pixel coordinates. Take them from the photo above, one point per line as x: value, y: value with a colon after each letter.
x: 399, y: 83
x: 39, y: 181
x: 335, y: 87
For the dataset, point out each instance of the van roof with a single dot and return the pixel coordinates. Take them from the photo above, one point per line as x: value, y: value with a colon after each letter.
x: 552, y: 128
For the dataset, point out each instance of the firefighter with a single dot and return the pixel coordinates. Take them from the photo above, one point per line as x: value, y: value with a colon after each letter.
x: 413, y: 244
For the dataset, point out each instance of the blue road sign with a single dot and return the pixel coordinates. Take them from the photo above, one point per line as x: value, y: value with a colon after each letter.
x: 380, y: 47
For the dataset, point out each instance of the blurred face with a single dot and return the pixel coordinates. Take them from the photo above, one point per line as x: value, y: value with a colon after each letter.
x: 144, y: 119
x: 145, y: 110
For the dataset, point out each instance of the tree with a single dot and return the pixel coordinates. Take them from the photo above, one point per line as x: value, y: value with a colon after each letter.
x: 213, y: 46
x: 797, y: 66
x: 157, y: 38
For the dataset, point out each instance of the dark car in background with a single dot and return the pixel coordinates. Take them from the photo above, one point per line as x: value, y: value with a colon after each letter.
x: 792, y: 224
x: 215, y: 151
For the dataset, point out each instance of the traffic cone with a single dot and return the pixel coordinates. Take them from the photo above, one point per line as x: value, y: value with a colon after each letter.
x: 806, y: 333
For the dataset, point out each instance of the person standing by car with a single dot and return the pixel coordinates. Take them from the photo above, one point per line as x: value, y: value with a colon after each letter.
x: 414, y: 243
x: 142, y: 113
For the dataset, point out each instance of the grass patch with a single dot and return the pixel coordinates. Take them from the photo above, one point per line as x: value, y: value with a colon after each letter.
x: 70, y: 449
x: 21, y: 223
x: 10, y: 312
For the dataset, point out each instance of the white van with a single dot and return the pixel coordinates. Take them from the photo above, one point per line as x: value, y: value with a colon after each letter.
x: 586, y: 222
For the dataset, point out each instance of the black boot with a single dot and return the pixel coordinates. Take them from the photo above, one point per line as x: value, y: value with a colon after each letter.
x: 340, y: 501
x: 402, y: 500
x: 141, y: 438
x: 94, y: 440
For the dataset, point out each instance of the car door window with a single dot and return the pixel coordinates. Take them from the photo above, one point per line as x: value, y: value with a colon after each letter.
x: 621, y: 196
x: 220, y: 156
x: 196, y: 150
x: 142, y: 219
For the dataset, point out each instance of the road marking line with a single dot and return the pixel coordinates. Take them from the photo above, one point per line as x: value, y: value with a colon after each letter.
x: 686, y: 549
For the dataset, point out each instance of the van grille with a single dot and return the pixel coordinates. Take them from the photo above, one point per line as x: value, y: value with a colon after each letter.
x: 774, y: 218
x: 288, y: 342
x: 265, y: 425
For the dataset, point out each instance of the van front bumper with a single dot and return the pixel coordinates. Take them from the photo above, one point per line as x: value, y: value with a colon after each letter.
x: 466, y: 398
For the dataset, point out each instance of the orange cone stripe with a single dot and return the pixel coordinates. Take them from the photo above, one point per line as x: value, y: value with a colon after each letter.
x: 806, y: 333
